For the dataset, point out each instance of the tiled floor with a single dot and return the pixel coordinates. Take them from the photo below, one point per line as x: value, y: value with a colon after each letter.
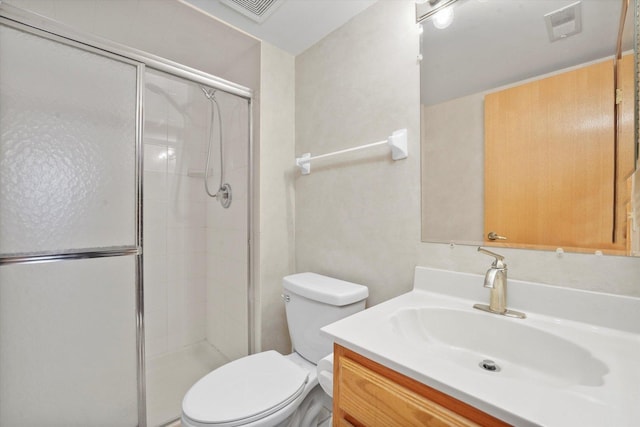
x: 170, y: 376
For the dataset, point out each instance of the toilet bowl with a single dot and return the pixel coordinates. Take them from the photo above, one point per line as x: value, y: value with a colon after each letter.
x: 263, y: 389
x: 270, y: 389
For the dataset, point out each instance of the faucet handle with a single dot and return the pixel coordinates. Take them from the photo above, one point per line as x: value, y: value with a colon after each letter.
x: 498, y: 257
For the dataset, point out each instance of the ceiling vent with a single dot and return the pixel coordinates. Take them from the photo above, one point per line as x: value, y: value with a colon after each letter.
x: 564, y: 22
x: 257, y: 10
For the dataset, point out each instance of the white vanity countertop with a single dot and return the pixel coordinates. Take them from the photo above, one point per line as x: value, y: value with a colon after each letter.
x: 605, y: 335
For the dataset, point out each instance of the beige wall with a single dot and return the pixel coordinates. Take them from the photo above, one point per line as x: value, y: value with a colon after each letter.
x: 358, y: 217
x: 452, y: 167
x: 276, y: 195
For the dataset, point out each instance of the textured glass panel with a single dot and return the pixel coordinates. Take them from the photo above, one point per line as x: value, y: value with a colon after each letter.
x: 67, y: 147
x: 68, y: 344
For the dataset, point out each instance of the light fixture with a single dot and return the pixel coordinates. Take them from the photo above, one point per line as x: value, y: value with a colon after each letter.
x: 443, y: 18
x: 428, y: 8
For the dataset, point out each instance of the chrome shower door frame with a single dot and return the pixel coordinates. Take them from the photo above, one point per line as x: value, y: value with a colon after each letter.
x: 43, y: 27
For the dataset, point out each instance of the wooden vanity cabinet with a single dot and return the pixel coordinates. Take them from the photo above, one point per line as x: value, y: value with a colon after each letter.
x: 366, y: 393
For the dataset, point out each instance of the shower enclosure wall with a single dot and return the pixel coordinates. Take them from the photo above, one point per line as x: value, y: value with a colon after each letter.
x: 195, y: 250
x: 108, y: 241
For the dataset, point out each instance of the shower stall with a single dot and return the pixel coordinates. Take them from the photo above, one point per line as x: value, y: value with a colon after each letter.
x: 122, y: 281
x: 195, y: 248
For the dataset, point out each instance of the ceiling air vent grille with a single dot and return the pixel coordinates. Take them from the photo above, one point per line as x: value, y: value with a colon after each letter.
x: 257, y: 10
x: 564, y: 22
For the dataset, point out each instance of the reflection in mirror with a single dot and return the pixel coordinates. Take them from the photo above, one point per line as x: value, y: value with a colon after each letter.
x: 528, y: 130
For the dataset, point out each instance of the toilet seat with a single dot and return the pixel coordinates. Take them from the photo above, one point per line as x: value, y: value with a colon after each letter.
x: 245, y: 390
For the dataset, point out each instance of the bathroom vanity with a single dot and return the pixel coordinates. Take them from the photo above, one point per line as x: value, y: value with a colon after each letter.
x: 429, y: 358
x: 368, y: 393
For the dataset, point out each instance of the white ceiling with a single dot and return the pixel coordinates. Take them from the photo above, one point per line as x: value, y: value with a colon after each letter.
x: 295, y: 25
x: 492, y: 43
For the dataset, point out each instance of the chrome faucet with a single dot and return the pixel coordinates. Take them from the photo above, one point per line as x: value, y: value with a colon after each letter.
x: 496, y: 280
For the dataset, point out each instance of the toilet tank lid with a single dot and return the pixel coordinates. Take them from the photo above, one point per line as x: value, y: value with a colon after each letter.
x: 325, y: 289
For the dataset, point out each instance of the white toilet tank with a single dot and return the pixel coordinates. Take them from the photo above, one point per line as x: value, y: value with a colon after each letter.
x: 313, y: 301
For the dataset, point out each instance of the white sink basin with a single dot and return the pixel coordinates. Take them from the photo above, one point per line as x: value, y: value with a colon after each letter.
x: 573, y: 362
x: 520, y: 350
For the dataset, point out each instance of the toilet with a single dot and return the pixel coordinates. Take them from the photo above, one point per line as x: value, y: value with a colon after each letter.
x: 269, y: 389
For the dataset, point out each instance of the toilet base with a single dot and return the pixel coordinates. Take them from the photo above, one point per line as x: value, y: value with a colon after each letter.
x: 313, y: 411
x: 327, y: 423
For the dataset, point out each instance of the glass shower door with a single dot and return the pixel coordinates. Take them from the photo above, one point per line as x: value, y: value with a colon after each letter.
x: 69, y: 120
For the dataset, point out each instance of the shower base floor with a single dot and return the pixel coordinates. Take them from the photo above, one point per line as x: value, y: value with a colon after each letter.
x: 169, y: 376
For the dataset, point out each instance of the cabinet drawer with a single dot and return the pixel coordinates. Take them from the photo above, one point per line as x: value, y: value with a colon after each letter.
x: 371, y: 395
x: 374, y: 400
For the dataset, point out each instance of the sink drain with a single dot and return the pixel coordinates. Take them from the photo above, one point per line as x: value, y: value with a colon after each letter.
x: 489, y: 365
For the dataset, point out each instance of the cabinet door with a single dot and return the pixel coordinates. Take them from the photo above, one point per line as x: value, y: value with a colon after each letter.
x: 549, y: 160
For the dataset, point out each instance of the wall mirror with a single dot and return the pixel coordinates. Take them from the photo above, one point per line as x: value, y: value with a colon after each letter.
x: 528, y: 124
